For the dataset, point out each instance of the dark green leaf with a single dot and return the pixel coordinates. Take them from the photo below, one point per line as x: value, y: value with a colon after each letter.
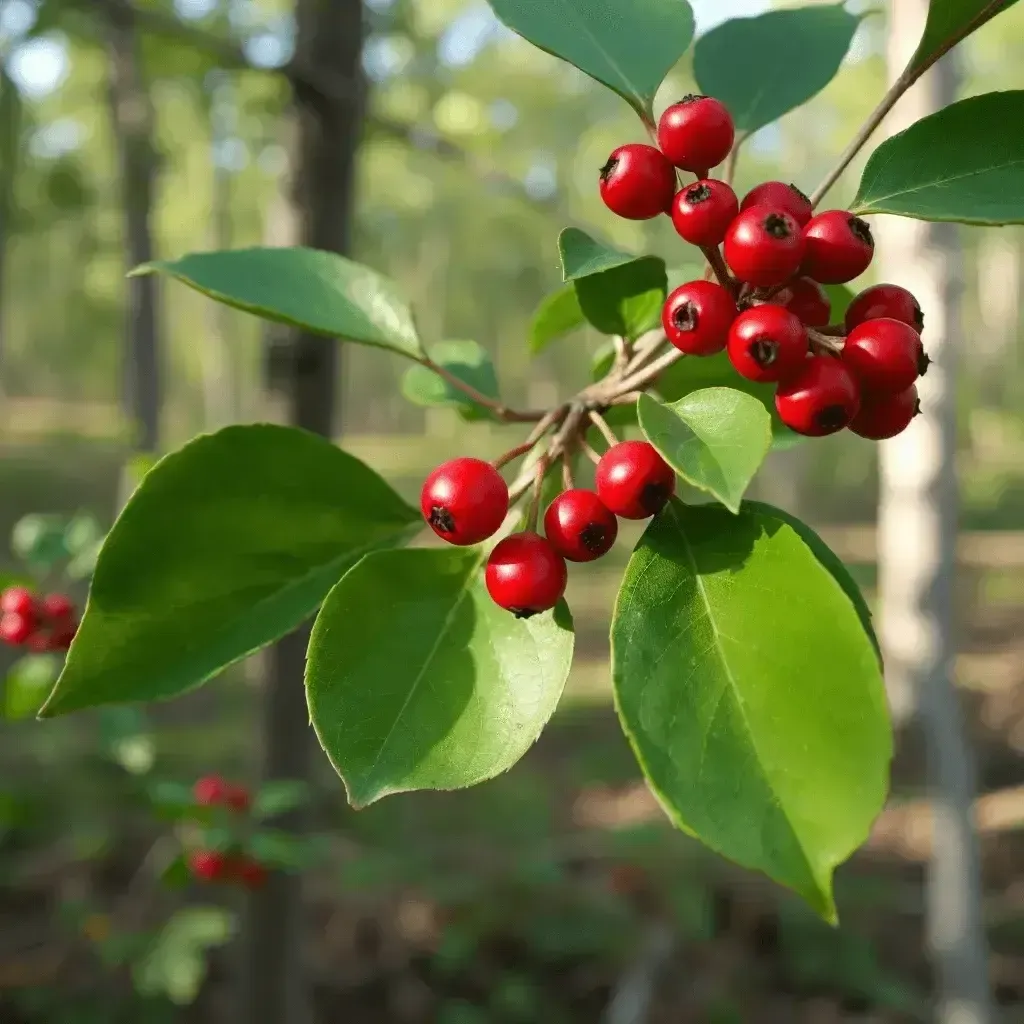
x: 558, y: 314
x: 948, y: 22
x: 840, y: 295
x: 28, y: 682
x: 582, y: 255
x: 715, y: 439
x: 964, y: 163
x: 626, y: 300
x: 39, y: 539
x: 628, y: 47
x: 751, y: 694
x: 467, y: 361
x: 766, y: 66
x: 172, y: 800
x: 228, y: 544
x: 318, y: 291
x: 417, y: 680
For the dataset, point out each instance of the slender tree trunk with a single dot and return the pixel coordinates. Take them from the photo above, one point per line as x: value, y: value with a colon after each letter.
x: 10, y: 131
x: 917, y: 544
x: 329, y: 36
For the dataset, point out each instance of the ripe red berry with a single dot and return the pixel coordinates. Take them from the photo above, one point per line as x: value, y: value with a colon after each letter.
x: 464, y: 501
x: 634, y: 481
x: 637, y: 182
x: 525, y: 575
x: 883, y: 355
x: 767, y: 343
x: 697, y: 316
x: 885, y: 300
x: 696, y: 133
x: 780, y: 196
x: 18, y: 601
x: 808, y: 301
x: 887, y: 416
x: 208, y: 865
x: 839, y: 247
x: 250, y: 873
x: 56, y: 607
x: 210, y: 791
x: 579, y: 526
x: 236, y: 797
x: 763, y: 246
x: 703, y: 211
x: 820, y: 400
x: 15, y: 629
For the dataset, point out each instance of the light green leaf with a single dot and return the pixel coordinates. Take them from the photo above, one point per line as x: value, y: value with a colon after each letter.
x: 228, y: 544
x: 582, y: 255
x: 557, y: 315
x: 28, y: 682
x: 715, y: 439
x: 751, y: 694
x: 628, y: 47
x: 950, y: 21
x: 964, y: 163
x: 766, y: 66
x: 467, y: 361
x: 39, y: 539
x: 315, y: 290
x: 445, y: 690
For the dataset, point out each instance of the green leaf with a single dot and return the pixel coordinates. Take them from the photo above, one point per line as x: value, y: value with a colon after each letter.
x: 715, y: 439
x: 766, y: 66
x: 628, y: 47
x: 28, y: 682
x: 445, y: 690
x: 281, y: 850
x: 557, y: 315
x: 39, y: 539
x: 751, y: 694
x: 964, y: 163
x: 950, y: 21
x: 467, y: 361
x: 582, y: 255
x: 626, y: 300
x: 317, y: 291
x: 228, y: 544
x: 840, y: 296
x: 280, y: 796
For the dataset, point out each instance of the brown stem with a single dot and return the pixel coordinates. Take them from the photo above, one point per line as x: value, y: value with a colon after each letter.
x: 642, y: 378
x: 589, y: 452
x: 714, y: 257
x: 602, y: 424
x: 823, y: 342
x: 503, y: 413
x: 833, y: 330
x: 567, y: 481
x: 538, y: 487
x: 513, y: 453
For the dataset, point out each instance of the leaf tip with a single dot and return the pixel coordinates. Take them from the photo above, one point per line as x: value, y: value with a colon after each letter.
x: 143, y: 270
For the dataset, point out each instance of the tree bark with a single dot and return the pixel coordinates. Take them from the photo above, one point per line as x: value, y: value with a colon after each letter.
x: 917, y: 547
x: 329, y: 36
x: 10, y: 131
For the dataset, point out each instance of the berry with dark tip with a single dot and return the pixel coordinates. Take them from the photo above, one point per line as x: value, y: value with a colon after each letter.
x: 767, y: 344
x: 838, y: 247
x: 696, y: 133
x: 703, y: 211
x: 887, y: 416
x: 764, y: 246
x: 633, y: 480
x: 807, y: 300
x: 883, y: 355
x: 525, y: 574
x: 697, y: 316
x: 637, y: 182
x: 15, y: 629
x: 464, y: 501
x: 780, y: 196
x: 888, y: 301
x: 18, y: 601
x: 579, y: 525
x: 821, y: 399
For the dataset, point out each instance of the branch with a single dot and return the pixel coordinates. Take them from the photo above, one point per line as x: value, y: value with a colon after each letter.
x: 503, y: 413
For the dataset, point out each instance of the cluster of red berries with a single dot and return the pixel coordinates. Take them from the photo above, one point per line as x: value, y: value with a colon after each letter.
x: 466, y: 500
x: 233, y: 866
x: 774, y: 319
x: 38, y: 624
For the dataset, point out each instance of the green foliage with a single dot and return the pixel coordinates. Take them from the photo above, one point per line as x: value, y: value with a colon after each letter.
x: 28, y: 682
x: 557, y: 315
x: 751, y: 694
x: 466, y: 360
x: 960, y: 164
x: 715, y: 439
x: 948, y: 22
x: 279, y: 796
x: 417, y: 680
x: 39, y: 540
x: 582, y: 255
x: 764, y: 67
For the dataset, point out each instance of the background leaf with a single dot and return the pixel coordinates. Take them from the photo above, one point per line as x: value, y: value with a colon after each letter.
x: 466, y: 360
x: 557, y: 315
x: 28, y: 682
x: 949, y: 21
x: 715, y: 439
x: 964, y: 163
x: 228, y: 544
x: 766, y: 66
x: 444, y: 691
x: 278, y: 796
x: 316, y: 290
x: 751, y: 694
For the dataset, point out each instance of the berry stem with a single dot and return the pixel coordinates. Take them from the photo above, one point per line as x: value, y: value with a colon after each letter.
x: 823, y: 342
x: 503, y: 413
x: 714, y: 257
x: 588, y: 451
x: 567, y: 481
x: 538, y: 487
x: 602, y: 424
x: 512, y: 454
x: 642, y: 378
x: 833, y: 330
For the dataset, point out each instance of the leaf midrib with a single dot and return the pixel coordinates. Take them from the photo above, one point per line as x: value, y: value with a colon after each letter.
x: 939, y: 182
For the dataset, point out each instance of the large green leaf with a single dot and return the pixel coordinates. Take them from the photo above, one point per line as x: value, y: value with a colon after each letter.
x: 226, y: 545
x: 948, y: 22
x: 466, y: 360
x: 557, y: 315
x: 964, y: 163
x: 715, y: 439
x: 318, y: 291
x: 751, y: 694
x: 417, y: 680
x: 630, y: 47
x: 766, y: 66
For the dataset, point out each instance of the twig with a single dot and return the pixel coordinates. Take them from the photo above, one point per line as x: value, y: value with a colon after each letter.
x: 512, y: 454
x: 645, y: 348
x: 602, y: 424
x: 634, y: 993
x: 824, y: 342
x: 714, y: 257
x: 734, y: 156
x: 833, y: 330
x: 540, y: 470
x: 639, y: 380
x: 567, y: 481
x: 589, y: 452
x: 501, y: 411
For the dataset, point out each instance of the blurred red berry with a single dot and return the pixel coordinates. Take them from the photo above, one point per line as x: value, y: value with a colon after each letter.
x: 236, y: 797
x: 62, y: 635
x: 40, y: 642
x: 18, y: 601
x: 210, y: 791
x: 250, y: 873
x: 208, y: 865
x: 56, y: 606
x: 15, y: 629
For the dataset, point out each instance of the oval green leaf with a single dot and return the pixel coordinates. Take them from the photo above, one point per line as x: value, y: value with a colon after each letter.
x: 766, y: 66
x: 226, y: 545
x: 318, y: 291
x: 964, y: 163
x: 417, y: 680
x: 751, y: 694
x: 466, y: 360
x: 628, y: 47
x: 556, y: 316
x: 582, y: 255
x: 949, y: 22
x: 28, y: 682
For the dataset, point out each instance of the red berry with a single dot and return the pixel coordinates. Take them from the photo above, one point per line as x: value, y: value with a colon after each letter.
x: 634, y: 481
x: 579, y: 526
x: 210, y: 791
x: 820, y: 400
x: 250, y: 873
x: 767, y: 343
x: 57, y: 606
x: 464, y: 501
x: 703, y: 211
x: 883, y: 355
x: 525, y: 575
x: 764, y: 247
x: 40, y: 642
x: 63, y: 634
x: 697, y: 316
x: 15, y: 628
x: 839, y: 247
x: 18, y: 601
x: 780, y: 196
x: 696, y: 133
x: 808, y: 301
x: 888, y: 301
x: 208, y: 865
x: 236, y: 797
x: 637, y: 182
x: 886, y: 416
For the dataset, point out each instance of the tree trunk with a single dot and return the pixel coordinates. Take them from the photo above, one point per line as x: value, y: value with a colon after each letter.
x: 917, y: 543
x: 10, y: 132
x: 329, y: 36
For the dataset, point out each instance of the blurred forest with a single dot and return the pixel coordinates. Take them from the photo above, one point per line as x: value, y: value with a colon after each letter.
x: 546, y: 895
